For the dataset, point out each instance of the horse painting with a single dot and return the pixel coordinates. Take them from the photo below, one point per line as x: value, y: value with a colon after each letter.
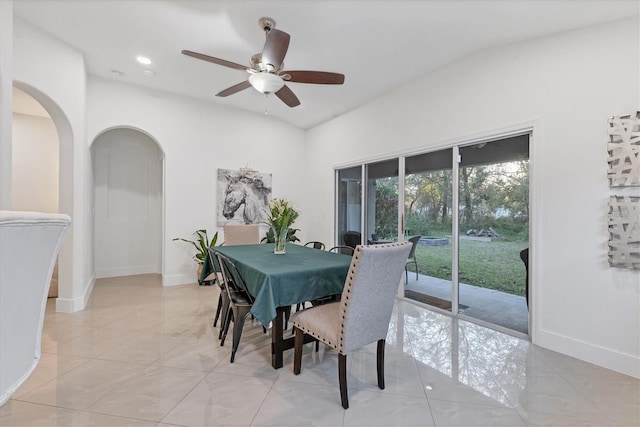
x: 243, y: 197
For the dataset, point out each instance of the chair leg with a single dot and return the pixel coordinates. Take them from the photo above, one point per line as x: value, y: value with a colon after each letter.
x: 406, y: 276
x: 380, y: 364
x: 287, y: 316
x: 225, y: 330
x: 415, y: 262
x: 218, y: 310
x: 342, y: 376
x: 239, y: 314
x: 225, y: 311
x: 297, y: 355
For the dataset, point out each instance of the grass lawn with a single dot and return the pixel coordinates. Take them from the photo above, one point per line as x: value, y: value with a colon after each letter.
x: 491, y: 265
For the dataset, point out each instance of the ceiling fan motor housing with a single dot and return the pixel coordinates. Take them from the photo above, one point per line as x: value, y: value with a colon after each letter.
x: 267, y: 24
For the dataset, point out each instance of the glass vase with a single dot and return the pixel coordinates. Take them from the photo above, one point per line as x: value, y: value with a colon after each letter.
x: 281, y: 240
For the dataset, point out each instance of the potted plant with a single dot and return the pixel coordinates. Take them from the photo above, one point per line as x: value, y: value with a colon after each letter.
x: 202, y: 245
x: 281, y: 216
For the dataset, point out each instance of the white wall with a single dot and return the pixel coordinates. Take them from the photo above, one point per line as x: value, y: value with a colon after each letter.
x: 128, y: 203
x: 54, y: 74
x: 567, y: 85
x: 197, y: 138
x: 35, y: 164
x: 6, y: 95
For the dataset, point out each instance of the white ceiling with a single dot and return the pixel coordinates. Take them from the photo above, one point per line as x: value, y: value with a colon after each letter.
x: 378, y: 45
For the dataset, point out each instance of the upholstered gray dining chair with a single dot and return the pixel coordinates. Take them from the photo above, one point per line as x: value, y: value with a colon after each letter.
x: 362, y: 315
x: 241, y: 234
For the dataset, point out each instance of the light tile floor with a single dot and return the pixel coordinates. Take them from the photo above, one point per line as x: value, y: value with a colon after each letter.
x: 144, y: 355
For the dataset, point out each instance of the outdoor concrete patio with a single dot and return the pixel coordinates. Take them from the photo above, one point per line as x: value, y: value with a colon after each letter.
x: 499, y: 308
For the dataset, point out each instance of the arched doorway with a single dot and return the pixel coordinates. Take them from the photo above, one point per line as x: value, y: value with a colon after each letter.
x: 47, y: 122
x: 127, y: 171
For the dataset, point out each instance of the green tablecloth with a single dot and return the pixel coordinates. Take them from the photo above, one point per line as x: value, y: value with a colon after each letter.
x: 302, y: 274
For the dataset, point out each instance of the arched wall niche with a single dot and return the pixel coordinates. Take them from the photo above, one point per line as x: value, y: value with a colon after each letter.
x: 128, y: 212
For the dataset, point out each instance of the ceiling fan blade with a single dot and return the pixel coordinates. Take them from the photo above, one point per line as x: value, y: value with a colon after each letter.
x: 234, y: 89
x: 317, y: 77
x: 275, y: 48
x: 288, y: 97
x: 215, y: 60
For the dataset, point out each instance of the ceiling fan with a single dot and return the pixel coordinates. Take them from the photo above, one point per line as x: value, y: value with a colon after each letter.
x: 266, y: 70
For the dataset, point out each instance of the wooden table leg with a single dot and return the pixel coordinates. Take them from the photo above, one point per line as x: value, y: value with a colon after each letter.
x: 278, y: 343
x: 277, y: 347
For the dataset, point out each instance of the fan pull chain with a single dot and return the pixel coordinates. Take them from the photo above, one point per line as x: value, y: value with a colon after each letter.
x: 266, y: 112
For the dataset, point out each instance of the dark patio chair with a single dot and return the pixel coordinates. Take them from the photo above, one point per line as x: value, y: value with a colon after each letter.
x: 412, y: 258
x: 352, y: 238
x: 524, y: 256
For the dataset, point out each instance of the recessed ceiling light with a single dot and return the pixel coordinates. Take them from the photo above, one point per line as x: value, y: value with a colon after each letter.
x: 149, y: 72
x: 116, y: 73
x: 143, y: 60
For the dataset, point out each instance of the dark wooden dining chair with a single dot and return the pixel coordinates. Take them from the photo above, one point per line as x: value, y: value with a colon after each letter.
x: 412, y: 258
x: 341, y: 249
x: 240, y: 302
x: 315, y: 245
x: 362, y: 315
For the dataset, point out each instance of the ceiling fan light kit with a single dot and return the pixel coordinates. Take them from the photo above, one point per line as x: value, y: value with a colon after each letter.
x: 266, y: 83
x: 266, y: 70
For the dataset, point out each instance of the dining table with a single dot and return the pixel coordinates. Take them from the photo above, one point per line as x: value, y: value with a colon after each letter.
x: 277, y: 281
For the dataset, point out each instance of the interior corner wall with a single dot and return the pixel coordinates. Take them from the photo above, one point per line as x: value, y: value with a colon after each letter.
x: 568, y: 85
x: 6, y: 101
x: 197, y: 138
x: 61, y: 89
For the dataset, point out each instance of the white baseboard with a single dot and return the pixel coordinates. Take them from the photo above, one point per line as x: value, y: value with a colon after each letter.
x: 624, y: 363
x: 178, y: 279
x: 130, y: 270
x: 66, y: 305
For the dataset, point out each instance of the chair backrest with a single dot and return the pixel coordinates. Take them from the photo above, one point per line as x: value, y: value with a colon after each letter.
x: 341, y: 249
x: 29, y: 244
x: 241, y: 234
x: 369, y: 293
x: 352, y: 238
x: 315, y: 245
x: 414, y: 242
x: 232, y: 278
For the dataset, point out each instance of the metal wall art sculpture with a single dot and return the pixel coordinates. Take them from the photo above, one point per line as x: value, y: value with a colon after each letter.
x: 624, y: 175
x: 243, y: 196
x: 624, y: 232
x: 624, y: 150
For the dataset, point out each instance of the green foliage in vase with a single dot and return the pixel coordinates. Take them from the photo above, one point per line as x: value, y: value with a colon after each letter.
x: 271, y: 238
x: 201, y: 243
x: 281, y: 215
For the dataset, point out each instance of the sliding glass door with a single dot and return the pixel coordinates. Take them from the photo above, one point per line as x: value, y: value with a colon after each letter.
x: 381, y: 223
x: 349, y: 203
x: 466, y: 210
x: 428, y: 190
x: 494, y: 232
